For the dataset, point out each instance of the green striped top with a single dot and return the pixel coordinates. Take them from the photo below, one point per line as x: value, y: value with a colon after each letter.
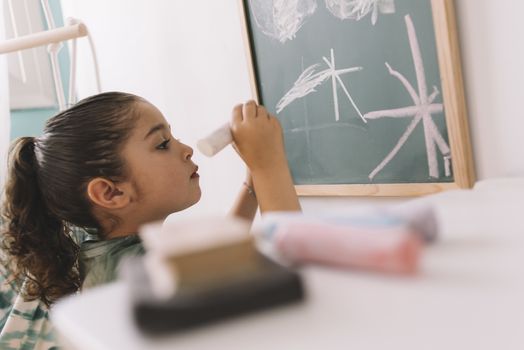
x: 25, y: 324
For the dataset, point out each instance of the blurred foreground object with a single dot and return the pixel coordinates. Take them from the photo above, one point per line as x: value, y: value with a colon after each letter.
x: 371, y: 240
x: 492, y: 206
x: 200, y: 271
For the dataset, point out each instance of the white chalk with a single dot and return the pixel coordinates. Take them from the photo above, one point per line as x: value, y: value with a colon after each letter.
x: 216, y: 141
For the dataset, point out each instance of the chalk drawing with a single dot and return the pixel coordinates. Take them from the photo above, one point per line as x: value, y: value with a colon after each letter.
x: 281, y: 19
x: 358, y: 9
x: 309, y: 80
x: 423, y: 110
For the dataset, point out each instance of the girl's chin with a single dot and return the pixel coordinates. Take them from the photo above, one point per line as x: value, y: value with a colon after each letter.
x: 192, y: 198
x: 199, y: 195
x: 195, y: 199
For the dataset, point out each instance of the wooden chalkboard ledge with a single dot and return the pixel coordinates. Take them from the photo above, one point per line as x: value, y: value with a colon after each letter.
x: 385, y: 190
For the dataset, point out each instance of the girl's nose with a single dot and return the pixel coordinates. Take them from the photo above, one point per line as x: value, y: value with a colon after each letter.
x: 188, y: 152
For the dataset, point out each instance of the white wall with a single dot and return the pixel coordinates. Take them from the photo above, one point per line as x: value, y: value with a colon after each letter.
x: 4, y: 106
x: 187, y: 57
x: 493, y: 56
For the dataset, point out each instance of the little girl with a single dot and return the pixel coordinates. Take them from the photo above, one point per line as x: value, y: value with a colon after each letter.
x: 76, y: 196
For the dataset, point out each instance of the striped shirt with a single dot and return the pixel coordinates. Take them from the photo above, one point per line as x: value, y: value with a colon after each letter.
x: 25, y: 324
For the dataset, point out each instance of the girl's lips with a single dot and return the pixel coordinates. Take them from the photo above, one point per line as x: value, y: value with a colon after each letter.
x: 195, y: 174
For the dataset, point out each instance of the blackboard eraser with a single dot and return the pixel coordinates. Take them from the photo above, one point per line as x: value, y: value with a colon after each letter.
x: 246, y: 281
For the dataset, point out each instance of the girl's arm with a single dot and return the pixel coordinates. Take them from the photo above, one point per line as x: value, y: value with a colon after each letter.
x: 259, y: 142
x: 246, y: 204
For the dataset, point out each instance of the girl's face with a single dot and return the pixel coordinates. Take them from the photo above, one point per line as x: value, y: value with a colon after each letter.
x: 159, y: 167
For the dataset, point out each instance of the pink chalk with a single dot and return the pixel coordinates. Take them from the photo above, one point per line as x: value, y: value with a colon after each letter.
x: 393, y: 249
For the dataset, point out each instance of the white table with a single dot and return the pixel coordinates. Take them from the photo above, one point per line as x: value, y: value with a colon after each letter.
x: 469, y: 295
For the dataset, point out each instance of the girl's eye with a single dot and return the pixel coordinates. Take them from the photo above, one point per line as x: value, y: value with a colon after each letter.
x: 163, y: 145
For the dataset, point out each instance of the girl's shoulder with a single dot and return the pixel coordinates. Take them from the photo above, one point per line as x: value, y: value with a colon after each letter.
x: 100, y: 259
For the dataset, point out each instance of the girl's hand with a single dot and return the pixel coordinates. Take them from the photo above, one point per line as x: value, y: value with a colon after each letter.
x: 258, y: 137
x: 258, y: 140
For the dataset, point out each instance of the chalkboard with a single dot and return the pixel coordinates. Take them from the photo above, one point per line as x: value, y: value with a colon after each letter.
x: 369, y: 93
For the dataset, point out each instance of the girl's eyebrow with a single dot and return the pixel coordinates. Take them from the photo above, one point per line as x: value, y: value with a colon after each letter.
x: 156, y: 128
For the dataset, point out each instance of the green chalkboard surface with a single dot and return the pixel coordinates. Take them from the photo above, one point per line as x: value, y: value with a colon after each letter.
x: 356, y: 85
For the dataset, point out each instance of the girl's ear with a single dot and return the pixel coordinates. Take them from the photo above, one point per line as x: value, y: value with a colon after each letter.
x: 106, y: 194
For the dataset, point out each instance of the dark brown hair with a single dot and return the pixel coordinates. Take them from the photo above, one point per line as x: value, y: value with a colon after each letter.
x: 45, y: 191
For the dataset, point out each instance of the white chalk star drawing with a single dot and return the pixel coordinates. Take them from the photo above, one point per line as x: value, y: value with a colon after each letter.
x: 422, y: 110
x: 309, y: 80
x: 358, y: 9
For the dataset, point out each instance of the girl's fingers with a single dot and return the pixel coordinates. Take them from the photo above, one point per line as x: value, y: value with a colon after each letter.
x: 250, y: 109
x: 274, y: 120
x: 262, y: 112
x: 237, y: 114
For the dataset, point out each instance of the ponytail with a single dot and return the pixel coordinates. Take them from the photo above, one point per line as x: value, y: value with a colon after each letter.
x: 46, y: 190
x: 44, y: 256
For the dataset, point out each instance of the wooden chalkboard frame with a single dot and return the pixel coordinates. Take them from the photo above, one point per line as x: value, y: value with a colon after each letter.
x: 448, y: 52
